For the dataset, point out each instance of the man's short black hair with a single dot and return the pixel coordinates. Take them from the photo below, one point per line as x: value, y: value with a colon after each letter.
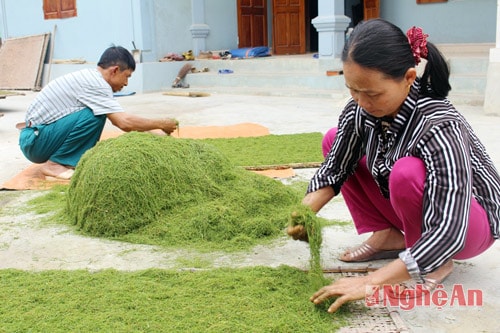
x: 117, y: 56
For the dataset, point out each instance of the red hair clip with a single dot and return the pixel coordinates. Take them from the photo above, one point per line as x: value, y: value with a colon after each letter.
x: 418, y: 43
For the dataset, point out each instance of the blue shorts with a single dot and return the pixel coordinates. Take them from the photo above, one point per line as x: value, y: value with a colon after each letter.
x: 63, y: 141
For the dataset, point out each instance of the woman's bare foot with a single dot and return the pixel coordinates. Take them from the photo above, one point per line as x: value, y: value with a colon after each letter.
x: 56, y: 170
x: 431, y: 281
x: 387, y: 239
x: 382, y: 244
x: 434, y: 278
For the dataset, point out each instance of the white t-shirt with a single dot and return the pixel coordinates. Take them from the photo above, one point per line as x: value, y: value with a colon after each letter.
x: 71, y: 93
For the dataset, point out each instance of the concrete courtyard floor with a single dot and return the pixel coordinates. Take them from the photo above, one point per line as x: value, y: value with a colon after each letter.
x: 26, y: 245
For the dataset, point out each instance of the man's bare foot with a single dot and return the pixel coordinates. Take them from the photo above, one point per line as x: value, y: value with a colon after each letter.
x: 382, y: 244
x: 55, y: 170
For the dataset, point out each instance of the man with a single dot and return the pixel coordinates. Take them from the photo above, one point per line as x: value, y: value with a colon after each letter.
x: 68, y: 115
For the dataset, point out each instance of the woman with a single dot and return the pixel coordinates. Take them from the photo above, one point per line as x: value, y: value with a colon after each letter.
x: 409, y: 166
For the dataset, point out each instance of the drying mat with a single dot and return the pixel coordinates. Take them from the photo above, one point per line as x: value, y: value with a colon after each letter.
x: 208, y: 132
x: 370, y: 319
x: 21, y: 62
x: 32, y: 179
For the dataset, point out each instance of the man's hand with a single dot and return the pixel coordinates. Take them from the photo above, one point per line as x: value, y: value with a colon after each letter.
x: 169, y: 125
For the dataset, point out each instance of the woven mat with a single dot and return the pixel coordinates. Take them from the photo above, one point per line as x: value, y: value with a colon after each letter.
x: 365, y: 319
x: 31, y: 178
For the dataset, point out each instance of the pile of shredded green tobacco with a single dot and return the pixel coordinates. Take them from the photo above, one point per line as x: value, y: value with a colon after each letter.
x: 167, y: 191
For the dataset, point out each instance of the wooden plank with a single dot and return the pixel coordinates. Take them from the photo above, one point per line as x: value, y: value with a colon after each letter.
x: 5, y: 93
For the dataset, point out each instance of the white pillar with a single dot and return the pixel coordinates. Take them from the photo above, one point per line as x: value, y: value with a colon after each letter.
x: 331, y: 24
x: 492, y: 91
x: 199, y: 30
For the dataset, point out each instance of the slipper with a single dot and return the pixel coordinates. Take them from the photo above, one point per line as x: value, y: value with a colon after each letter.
x: 180, y: 85
x: 203, y: 70
x: 365, y: 252
x: 66, y: 175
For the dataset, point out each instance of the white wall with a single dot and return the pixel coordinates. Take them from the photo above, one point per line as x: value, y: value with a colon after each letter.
x: 454, y: 21
x: 98, y: 25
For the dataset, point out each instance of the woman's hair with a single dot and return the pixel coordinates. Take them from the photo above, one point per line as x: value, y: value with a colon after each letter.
x: 117, y: 56
x: 380, y: 45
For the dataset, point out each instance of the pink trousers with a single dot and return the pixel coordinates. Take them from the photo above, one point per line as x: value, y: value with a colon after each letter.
x: 370, y: 211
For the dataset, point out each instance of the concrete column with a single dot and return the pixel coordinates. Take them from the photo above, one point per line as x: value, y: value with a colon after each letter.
x: 331, y: 24
x: 492, y: 92
x: 199, y: 30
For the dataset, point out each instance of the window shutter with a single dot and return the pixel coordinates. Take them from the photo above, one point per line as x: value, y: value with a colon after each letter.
x: 50, y: 9
x: 68, y: 8
x: 58, y: 9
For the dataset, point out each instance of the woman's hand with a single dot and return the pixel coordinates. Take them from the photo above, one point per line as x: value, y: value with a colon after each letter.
x: 298, y: 232
x: 315, y: 201
x: 354, y: 288
x: 346, y: 289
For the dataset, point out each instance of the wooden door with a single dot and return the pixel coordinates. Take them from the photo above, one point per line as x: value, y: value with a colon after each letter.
x: 289, y: 32
x: 252, y: 23
x: 371, y: 9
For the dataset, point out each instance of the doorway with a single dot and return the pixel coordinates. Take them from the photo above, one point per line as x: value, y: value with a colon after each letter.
x: 290, y: 24
x: 312, y: 39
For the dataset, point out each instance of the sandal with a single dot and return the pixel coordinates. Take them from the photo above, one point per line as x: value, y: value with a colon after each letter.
x: 180, y: 85
x: 365, y: 252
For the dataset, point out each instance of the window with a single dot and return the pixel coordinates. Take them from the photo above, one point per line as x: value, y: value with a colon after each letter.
x: 58, y: 9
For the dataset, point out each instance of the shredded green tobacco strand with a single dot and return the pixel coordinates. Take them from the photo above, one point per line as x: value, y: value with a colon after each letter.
x: 303, y: 215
